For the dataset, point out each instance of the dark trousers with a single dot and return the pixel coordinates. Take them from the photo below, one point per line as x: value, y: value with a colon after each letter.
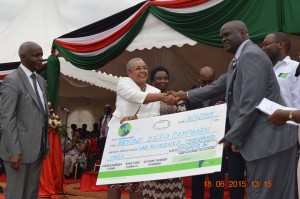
x: 101, y: 146
x: 236, y: 173
x: 215, y: 183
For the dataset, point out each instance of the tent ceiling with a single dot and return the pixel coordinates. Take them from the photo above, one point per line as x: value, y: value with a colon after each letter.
x: 39, y: 21
x: 66, y: 90
x: 159, y: 36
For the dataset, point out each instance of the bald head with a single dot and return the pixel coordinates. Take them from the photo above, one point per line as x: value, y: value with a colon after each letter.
x: 233, y: 34
x: 27, y: 47
x: 238, y: 25
x: 206, y: 75
x: 107, y: 109
x: 31, y: 55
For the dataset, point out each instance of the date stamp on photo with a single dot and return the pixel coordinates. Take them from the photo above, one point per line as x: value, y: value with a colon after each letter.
x: 237, y: 184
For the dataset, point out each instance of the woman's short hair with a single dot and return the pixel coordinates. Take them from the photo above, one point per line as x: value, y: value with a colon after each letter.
x: 157, y: 69
x: 129, y: 63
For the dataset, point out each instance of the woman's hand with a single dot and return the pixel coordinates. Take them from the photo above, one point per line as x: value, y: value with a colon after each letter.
x: 128, y: 118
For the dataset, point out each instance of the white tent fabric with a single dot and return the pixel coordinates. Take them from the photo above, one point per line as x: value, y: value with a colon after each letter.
x: 39, y: 21
x: 156, y: 34
x: 91, y: 77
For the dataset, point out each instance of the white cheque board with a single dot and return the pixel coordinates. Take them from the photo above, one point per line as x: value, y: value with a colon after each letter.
x: 168, y: 146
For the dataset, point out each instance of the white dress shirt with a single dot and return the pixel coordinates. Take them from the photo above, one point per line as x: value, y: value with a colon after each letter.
x: 28, y: 74
x: 108, y: 117
x: 289, y: 84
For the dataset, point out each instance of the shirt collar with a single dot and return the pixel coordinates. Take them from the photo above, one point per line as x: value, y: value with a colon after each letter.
x: 287, y: 59
x: 239, y: 50
x: 26, y: 71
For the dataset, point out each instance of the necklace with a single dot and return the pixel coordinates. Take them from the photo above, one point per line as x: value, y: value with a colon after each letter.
x: 143, y: 88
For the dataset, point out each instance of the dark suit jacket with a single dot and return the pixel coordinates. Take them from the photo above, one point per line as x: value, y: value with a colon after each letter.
x: 250, y: 129
x: 100, y: 124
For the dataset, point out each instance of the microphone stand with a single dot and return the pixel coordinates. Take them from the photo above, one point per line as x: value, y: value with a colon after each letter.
x: 64, y: 151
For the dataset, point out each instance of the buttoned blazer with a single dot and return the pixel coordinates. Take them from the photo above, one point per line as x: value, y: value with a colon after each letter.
x: 250, y: 129
x: 22, y: 120
x: 130, y: 100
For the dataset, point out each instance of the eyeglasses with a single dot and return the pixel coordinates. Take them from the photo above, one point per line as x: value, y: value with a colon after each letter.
x: 267, y: 44
x: 139, y: 68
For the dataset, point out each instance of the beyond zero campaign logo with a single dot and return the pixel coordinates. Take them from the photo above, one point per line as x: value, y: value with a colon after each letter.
x: 124, y: 129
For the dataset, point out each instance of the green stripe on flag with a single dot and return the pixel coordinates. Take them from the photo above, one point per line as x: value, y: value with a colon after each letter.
x: 160, y: 169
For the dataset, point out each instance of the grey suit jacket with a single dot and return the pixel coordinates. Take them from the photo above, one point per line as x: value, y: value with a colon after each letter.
x: 250, y: 129
x: 22, y: 120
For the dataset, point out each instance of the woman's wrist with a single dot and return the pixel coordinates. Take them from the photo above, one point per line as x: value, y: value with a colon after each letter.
x: 133, y: 117
x: 163, y: 96
x: 290, y: 116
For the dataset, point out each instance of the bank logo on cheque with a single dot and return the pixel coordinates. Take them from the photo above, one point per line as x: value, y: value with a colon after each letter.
x: 124, y: 129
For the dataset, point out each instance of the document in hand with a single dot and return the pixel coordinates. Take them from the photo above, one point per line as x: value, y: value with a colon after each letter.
x: 267, y: 106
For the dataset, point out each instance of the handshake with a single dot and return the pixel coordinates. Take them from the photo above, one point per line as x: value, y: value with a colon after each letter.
x: 172, y: 97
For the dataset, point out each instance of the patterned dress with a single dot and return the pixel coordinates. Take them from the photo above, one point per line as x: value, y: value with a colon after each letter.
x: 168, y: 188
x: 81, y: 155
x: 74, y: 156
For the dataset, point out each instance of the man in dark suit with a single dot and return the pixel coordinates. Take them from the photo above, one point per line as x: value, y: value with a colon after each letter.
x: 24, y: 118
x: 103, y: 121
x: 206, y: 77
x: 269, y: 151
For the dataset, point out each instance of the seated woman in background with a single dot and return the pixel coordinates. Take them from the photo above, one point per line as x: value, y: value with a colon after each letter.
x: 75, y: 153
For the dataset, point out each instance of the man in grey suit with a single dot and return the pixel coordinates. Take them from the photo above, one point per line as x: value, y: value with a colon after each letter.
x: 269, y: 151
x: 23, y: 119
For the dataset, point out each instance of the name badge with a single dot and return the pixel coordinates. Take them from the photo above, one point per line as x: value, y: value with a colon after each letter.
x: 283, y: 75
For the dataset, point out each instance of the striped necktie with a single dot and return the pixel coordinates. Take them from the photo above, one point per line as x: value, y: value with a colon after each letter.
x: 33, y: 76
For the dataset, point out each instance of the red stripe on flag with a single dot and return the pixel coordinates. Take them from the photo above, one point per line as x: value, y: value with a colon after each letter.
x: 86, y: 48
x: 177, y: 3
x: 2, y: 76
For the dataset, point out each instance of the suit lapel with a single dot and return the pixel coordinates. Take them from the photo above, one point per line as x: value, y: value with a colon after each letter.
x: 229, y: 80
x: 231, y: 74
x: 28, y: 86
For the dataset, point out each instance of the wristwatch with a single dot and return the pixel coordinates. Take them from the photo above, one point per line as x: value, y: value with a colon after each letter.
x: 291, y: 115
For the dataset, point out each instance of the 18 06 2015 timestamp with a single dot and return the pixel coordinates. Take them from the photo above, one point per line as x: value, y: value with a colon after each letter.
x: 222, y: 183
x: 238, y: 184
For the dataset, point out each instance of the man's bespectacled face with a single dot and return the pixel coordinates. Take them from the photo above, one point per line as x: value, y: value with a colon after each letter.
x: 271, y: 47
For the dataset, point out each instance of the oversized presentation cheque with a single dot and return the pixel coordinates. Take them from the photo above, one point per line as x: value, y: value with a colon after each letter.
x: 168, y: 146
